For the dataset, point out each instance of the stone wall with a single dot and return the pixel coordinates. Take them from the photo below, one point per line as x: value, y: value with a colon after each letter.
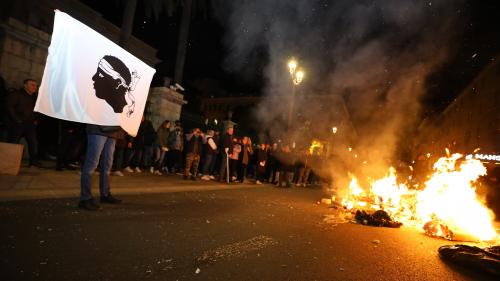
x: 23, y: 53
x: 471, y: 121
x: 164, y: 104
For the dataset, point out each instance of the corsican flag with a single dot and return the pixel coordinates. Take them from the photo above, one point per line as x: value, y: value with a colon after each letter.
x: 90, y: 79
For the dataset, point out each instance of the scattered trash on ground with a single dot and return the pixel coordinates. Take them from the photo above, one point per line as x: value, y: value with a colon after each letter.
x: 237, y: 249
x: 481, y: 259
x: 378, y: 218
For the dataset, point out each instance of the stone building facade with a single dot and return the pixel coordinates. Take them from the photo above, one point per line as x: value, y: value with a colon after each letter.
x: 471, y: 121
x: 23, y: 52
x: 164, y: 104
x: 25, y: 27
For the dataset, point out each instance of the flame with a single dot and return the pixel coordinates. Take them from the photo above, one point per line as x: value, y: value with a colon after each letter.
x: 450, y: 197
x: 315, y: 144
x: 447, y: 205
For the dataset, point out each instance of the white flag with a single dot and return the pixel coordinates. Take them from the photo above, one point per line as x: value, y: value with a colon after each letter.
x: 90, y: 79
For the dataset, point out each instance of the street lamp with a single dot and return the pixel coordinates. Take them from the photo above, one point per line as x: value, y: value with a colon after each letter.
x: 297, y: 76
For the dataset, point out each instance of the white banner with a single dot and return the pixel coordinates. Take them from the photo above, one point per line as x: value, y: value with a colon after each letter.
x: 90, y: 79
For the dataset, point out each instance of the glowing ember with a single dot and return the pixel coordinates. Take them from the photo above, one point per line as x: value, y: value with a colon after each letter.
x: 446, y: 207
x: 316, y: 146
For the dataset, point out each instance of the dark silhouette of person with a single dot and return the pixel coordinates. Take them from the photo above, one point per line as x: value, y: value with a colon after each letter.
x: 114, y: 83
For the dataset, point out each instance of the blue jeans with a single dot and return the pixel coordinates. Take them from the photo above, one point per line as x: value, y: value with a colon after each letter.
x: 209, y: 158
x: 98, y: 147
x: 147, y: 156
x: 159, y: 156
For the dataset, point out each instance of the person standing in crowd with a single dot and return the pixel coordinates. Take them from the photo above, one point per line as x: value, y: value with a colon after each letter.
x: 233, y: 159
x: 161, y: 147
x: 246, y: 153
x: 120, y: 148
x: 286, y: 167
x: 176, y: 145
x: 210, y: 154
x: 3, y: 101
x: 134, y: 153
x: 214, y: 171
x: 261, y: 163
x: 304, y: 169
x: 70, y: 143
x: 101, y: 142
x: 226, y: 150
x: 193, y: 149
x: 149, y: 136
x: 273, y: 163
x: 22, y: 120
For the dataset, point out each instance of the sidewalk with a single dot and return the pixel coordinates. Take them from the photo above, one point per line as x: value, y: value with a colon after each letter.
x: 41, y: 183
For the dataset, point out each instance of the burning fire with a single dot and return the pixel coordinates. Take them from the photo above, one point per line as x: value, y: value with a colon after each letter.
x: 448, y: 204
x: 316, y: 145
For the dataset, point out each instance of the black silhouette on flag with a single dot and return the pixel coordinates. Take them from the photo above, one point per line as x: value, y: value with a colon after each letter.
x: 114, y: 83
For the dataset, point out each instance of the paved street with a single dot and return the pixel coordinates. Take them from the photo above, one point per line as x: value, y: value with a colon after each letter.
x: 170, y: 229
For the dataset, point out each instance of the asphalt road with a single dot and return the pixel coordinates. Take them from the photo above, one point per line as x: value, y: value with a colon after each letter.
x: 249, y: 233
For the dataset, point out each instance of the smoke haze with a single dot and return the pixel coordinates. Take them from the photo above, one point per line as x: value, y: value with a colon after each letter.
x: 368, y: 60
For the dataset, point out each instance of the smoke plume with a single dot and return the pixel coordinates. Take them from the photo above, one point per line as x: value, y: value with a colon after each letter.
x: 366, y: 65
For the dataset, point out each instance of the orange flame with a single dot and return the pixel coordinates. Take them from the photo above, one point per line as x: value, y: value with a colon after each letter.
x: 315, y: 145
x: 448, y: 201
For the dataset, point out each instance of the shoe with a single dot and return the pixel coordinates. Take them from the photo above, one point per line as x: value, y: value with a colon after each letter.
x: 151, y: 170
x: 258, y: 182
x: 110, y: 199
x: 205, y: 178
x: 211, y: 177
x: 138, y: 170
x: 158, y: 173
x: 36, y: 164
x: 118, y: 173
x: 88, y: 205
x: 179, y: 173
x: 128, y: 169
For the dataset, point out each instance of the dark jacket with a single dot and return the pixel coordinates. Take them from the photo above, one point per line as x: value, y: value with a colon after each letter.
x: 148, y: 132
x: 227, y: 142
x: 162, y: 136
x: 114, y: 132
x: 261, y: 155
x: 20, y: 107
x: 194, y: 144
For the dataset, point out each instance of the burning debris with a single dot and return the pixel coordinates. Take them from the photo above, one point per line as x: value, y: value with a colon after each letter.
x: 446, y: 206
x: 378, y: 218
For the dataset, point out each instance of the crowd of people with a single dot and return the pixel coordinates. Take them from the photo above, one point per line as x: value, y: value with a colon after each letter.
x: 197, y: 155
x: 168, y: 149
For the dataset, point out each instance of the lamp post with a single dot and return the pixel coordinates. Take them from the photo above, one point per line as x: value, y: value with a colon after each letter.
x: 297, y: 75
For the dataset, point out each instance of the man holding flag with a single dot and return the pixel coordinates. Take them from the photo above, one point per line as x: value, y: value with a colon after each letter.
x: 89, y: 79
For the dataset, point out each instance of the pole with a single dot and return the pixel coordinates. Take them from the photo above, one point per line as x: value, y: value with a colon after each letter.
x: 227, y: 167
x: 290, y: 110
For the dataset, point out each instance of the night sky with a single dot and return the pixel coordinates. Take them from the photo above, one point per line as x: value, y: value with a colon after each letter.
x: 477, y: 43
